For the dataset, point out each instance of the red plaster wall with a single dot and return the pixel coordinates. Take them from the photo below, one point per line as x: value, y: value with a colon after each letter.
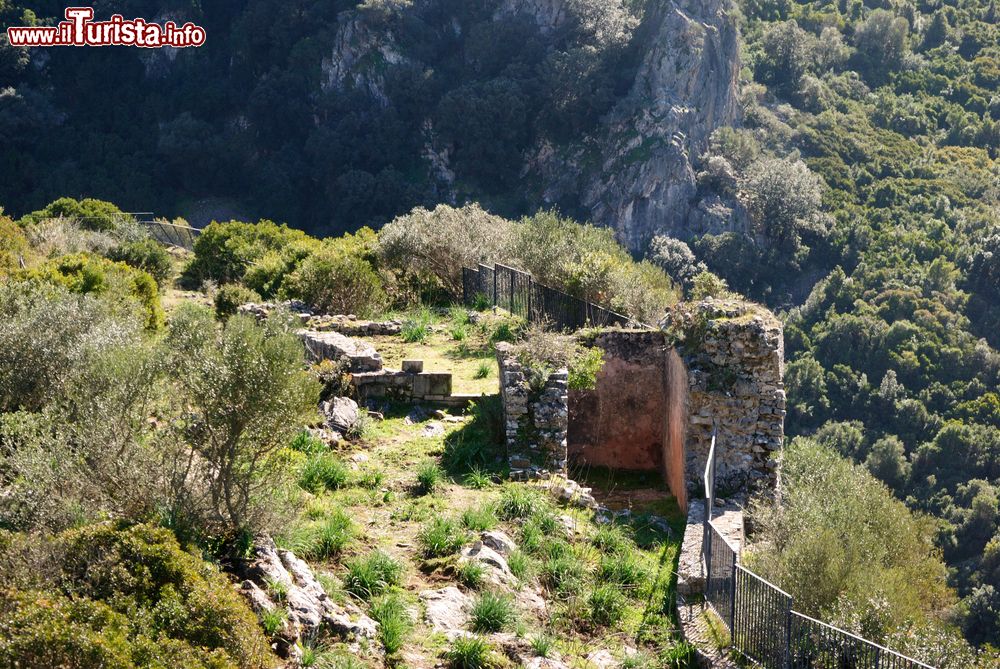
x: 635, y: 417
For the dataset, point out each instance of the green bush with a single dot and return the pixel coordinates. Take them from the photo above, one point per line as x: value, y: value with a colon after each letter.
x: 147, y: 255
x: 88, y: 274
x: 323, y: 539
x: 263, y: 253
x: 372, y: 575
x: 231, y: 296
x: 872, y: 577
x: 92, y: 214
x: 138, y: 600
x: 339, y: 278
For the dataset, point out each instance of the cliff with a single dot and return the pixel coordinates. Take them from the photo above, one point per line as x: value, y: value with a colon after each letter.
x: 635, y: 171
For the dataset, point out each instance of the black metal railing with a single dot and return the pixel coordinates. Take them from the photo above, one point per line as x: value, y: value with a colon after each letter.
x: 517, y: 292
x: 763, y: 626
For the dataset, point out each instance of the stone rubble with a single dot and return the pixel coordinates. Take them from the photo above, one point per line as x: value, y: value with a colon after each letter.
x: 446, y: 610
x: 340, y: 414
x: 361, y: 355
x: 309, y: 609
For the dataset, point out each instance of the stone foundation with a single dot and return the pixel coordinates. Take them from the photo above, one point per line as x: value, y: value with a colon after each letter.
x: 403, y: 386
x: 321, y: 346
x: 535, y: 420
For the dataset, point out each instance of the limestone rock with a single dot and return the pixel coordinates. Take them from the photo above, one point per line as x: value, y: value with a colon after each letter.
x: 446, y: 610
x: 361, y: 355
x: 341, y: 413
x: 497, y: 569
x: 499, y: 542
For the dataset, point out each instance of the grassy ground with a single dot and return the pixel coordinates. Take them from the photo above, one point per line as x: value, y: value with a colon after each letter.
x: 418, y: 499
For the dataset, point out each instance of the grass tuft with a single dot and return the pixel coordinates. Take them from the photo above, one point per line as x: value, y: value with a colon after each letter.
x: 323, y: 471
x: 606, y: 605
x: 480, y: 519
x: 430, y: 476
x: 493, y: 612
x: 389, y: 611
x: 372, y: 575
x: 441, y: 537
x: 470, y: 652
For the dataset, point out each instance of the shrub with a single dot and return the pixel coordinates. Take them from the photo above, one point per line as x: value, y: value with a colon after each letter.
x: 338, y: 278
x: 606, y: 605
x: 138, y: 599
x: 441, y: 537
x: 493, y: 612
x: 429, y: 477
x: 229, y: 252
x: 372, y: 575
x: 14, y: 247
x: 439, y: 243
x: 389, y: 611
x: 887, y: 572
x: 88, y: 274
x: 91, y: 214
x: 248, y: 395
x: 231, y: 296
x: 48, y: 334
x: 323, y: 471
x: 470, y: 652
x: 147, y: 255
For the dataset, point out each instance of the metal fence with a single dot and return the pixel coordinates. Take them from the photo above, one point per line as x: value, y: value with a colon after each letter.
x: 763, y: 626
x: 182, y: 236
x: 518, y: 292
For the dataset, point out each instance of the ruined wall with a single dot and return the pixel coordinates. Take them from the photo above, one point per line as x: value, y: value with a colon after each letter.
x: 656, y: 400
x: 535, y: 419
x: 734, y: 353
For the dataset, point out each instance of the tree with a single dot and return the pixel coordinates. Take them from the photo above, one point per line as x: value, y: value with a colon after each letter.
x: 786, y: 55
x: 882, y: 44
x: 783, y: 198
x: 248, y: 395
x: 887, y: 462
x: 676, y: 259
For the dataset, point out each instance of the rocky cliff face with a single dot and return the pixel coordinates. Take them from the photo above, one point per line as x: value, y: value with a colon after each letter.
x: 637, y: 171
x: 638, y: 174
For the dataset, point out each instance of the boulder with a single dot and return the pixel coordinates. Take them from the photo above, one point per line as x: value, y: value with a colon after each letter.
x: 497, y: 570
x: 446, y: 610
x: 341, y: 413
x: 361, y: 355
x: 498, y: 541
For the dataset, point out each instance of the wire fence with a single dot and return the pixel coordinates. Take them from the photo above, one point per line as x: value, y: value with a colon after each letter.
x: 763, y: 626
x: 519, y: 293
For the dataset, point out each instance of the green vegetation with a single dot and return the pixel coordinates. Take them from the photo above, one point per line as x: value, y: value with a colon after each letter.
x: 121, y: 596
x: 372, y: 575
x: 471, y: 652
x: 492, y: 612
x: 442, y: 537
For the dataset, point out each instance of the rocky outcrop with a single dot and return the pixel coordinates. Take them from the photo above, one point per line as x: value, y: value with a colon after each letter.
x: 638, y: 173
x: 359, y: 57
x: 277, y: 579
x: 340, y: 414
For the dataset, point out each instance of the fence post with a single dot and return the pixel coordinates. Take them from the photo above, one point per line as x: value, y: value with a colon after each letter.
x: 788, y: 633
x: 494, y: 285
x: 732, y: 601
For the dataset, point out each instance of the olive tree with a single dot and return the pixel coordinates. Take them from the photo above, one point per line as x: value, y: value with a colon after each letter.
x: 247, y: 393
x: 783, y: 198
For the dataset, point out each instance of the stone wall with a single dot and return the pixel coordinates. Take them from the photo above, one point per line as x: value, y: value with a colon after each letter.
x: 733, y: 352
x: 657, y: 398
x: 535, y: 419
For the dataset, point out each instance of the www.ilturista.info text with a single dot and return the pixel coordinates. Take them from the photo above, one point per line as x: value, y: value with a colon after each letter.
x: 79, y: 29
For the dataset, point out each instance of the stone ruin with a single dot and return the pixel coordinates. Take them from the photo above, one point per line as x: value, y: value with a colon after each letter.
x: 714, y: 365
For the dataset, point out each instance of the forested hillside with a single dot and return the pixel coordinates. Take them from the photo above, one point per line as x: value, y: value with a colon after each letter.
x: 856, y: 190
